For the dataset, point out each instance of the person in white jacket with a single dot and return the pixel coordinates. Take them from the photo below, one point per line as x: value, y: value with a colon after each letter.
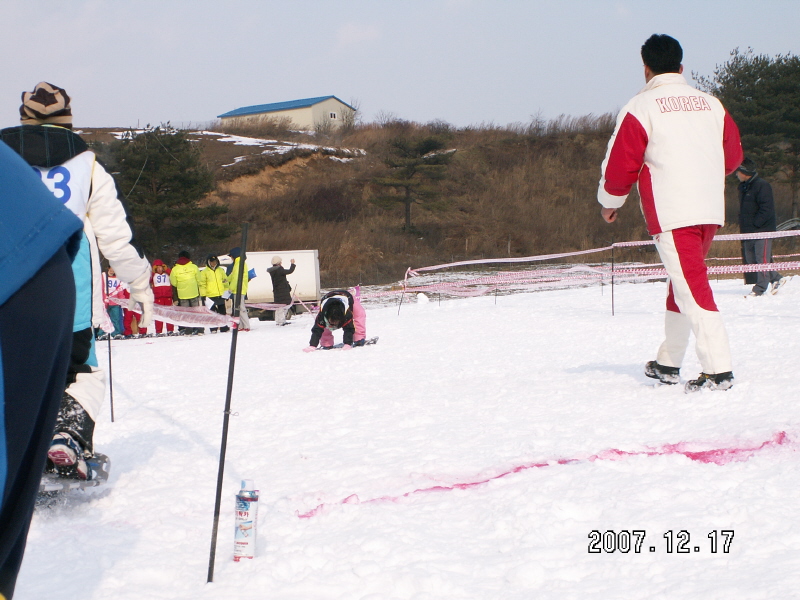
x: 71, y: 171
x: 677, y: 144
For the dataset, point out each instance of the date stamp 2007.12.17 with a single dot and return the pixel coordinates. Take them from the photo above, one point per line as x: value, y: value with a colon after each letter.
x: 681, y: 542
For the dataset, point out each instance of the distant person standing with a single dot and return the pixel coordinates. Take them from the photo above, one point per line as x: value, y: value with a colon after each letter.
x: 281, y: 289
x: 678, y: 144
x: 185, y: 278
x: 213, y: 285
x: 162, y: 290
x: 114, y: 288
x: 757, y: 215
x: 233, y: 285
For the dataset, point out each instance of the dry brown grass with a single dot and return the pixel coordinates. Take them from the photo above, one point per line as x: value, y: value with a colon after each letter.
x: 509, y: 191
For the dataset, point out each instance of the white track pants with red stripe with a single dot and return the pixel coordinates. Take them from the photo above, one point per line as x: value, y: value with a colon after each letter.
x: 690, y: 301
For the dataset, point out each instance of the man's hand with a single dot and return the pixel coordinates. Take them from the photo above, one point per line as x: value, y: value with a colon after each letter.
x: 609, y: 214
x: 142, y: 293
x: 292, y: 261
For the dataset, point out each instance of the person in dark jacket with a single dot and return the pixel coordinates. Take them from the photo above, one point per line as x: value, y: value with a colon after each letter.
x: 281, y: 289
x: 39, y: 237
x: 757, y: 215
x: 338, y: 310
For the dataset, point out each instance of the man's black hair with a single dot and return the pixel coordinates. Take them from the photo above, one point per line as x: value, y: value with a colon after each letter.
x: 662, y: 53
x: 184, y: 254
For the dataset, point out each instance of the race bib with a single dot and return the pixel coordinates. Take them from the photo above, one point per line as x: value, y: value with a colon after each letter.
x: 70, y: 182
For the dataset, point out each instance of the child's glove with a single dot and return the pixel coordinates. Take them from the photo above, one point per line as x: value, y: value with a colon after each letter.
x: 347, y: 347
x: 309, y: 349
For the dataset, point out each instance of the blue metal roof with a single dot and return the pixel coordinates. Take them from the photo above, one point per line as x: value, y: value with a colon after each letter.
x: 276, y: 106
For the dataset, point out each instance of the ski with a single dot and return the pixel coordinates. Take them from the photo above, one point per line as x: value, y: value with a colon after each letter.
x: 340, y: 345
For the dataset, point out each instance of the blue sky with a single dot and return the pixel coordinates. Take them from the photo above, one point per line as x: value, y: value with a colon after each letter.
x: 462, y: 61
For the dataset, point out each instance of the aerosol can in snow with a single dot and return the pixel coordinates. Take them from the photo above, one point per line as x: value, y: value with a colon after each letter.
x: 244, y: 540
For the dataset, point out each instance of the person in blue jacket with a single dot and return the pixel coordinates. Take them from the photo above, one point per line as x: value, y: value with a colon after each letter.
x: 39, y: 237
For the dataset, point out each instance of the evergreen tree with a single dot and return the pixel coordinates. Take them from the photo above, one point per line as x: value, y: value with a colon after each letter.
x: 762, y: 94
x: 159, y: 173
x: 415, y: 167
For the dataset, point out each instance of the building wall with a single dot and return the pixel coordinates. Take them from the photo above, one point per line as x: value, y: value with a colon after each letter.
x: 333, y: 111
x: 303, y: 118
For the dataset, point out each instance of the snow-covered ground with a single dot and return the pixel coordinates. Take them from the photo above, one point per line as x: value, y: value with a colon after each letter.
x: 277, y: 147
x: 469, y: 454
x: 269, y: 146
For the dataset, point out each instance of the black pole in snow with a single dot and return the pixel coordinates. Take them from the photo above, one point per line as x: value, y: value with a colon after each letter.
x: 237, y: 299
x: 402, y: 295
x: 110, y: 379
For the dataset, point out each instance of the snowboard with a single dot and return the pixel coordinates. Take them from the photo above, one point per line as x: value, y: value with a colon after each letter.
x: 53, y: 482
x: 340, y: 345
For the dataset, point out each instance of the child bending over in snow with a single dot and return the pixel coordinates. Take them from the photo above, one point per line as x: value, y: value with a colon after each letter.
x: 339, y: 310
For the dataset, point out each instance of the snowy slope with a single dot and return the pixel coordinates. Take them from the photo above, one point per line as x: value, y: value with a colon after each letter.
x: 457, y: 392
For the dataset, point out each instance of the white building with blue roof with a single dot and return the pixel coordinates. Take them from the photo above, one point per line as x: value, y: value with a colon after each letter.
x: 308, y: 113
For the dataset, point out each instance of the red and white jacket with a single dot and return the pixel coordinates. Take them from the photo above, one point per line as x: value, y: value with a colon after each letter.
x: 678, y: 143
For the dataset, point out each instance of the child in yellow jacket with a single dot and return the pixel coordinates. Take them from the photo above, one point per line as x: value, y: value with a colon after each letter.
x: 213, y: 285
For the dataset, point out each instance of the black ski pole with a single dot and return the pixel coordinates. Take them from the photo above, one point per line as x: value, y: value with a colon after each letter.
x: 110, y: 379
x: 402, y: 295
x: 237, y: 299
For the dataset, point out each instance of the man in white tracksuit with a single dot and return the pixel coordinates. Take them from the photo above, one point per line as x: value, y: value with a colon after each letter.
x: 677, y: 144
x: 71, y: 171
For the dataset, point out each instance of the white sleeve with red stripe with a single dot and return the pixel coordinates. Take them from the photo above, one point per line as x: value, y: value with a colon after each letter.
x: 731, y: 145
x: 623, y: 161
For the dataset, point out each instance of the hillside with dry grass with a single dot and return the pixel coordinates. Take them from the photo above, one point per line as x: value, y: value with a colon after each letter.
x: 506, y: 192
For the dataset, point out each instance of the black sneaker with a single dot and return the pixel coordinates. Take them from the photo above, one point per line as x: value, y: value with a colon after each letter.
x: 719, y: 381
x: 668, y: 375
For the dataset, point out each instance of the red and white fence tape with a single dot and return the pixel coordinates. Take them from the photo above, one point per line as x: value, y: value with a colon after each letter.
x: 578, y: 273
x: 719, y: 238
x: 183, y: 316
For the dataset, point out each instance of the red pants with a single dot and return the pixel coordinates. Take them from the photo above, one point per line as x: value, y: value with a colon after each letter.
x: 166, y: 301
x: 127, y: 321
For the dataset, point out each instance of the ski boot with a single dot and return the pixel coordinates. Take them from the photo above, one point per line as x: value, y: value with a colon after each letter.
x: 667, y: 375
x: 719, y: 381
